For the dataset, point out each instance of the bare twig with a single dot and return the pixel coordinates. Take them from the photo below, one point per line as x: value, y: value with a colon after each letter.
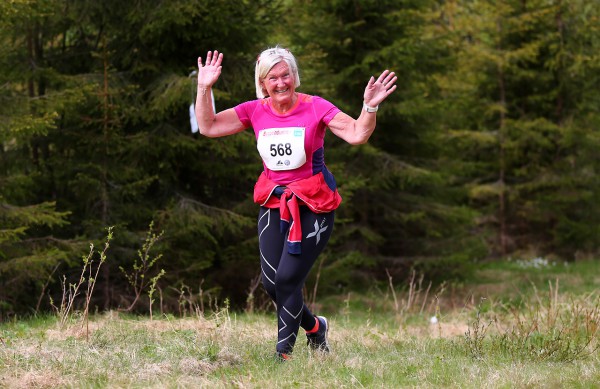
x: 425, y: 298
x: 254, y: 283
x: 39, y: 302
x: 73, y: 290
x: 391, y: 284
x: 92, y: 281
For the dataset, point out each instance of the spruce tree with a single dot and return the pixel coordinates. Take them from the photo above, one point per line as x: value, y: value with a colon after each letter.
x: 29, y: 253
x: 97, y: 124
x: 513, y: 114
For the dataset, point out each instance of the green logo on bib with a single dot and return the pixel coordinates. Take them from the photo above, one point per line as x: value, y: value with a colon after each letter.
x: 297, y: 132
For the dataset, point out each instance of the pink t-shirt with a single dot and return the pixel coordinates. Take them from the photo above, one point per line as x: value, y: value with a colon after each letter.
x: 279, y: 136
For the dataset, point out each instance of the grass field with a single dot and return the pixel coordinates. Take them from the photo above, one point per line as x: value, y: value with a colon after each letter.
x: 521, y: 324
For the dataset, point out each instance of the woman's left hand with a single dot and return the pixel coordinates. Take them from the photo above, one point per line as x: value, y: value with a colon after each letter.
x: 378, y: 90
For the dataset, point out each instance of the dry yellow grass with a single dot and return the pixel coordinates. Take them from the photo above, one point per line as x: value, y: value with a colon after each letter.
x: 377, y: 341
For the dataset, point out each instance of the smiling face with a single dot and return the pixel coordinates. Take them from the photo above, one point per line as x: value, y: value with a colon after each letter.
x: 279, y: 84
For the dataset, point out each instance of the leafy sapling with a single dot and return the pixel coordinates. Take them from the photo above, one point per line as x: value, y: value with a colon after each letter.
x: 139, y: 278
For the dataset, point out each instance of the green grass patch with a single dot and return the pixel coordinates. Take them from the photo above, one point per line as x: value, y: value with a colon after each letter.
x: 484, y: 335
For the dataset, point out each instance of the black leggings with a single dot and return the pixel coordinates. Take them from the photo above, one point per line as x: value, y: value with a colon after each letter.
x: 283, y: 274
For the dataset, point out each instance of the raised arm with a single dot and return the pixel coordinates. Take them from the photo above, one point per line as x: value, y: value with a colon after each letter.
x: 211, y: 124
x: 359, y: 131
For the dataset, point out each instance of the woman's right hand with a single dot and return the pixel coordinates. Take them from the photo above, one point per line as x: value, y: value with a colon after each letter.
x: 210, y: 72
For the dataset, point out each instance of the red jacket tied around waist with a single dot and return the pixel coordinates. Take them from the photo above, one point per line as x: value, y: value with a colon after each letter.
x: 312, y: 192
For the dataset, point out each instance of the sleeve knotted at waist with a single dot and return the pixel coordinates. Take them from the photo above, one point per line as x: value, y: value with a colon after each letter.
x: 312, y: 192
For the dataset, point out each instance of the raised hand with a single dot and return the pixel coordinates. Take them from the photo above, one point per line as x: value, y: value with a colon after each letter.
x: 378, y: 90
x: 210, y: 72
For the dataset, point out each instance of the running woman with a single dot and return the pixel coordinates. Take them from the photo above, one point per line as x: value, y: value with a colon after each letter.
x: 296, y: 192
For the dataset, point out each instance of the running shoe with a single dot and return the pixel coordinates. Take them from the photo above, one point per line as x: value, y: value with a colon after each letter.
x: 318, y: 340
x: 282, y: 357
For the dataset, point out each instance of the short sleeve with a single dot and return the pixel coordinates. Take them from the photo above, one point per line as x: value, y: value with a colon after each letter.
x: 324, y: 109
x: 244, y: 112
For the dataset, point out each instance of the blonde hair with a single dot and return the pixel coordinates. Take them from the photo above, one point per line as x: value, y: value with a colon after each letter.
x: 269, y: 58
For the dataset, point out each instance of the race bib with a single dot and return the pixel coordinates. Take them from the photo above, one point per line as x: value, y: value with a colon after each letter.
x: 282, y: 148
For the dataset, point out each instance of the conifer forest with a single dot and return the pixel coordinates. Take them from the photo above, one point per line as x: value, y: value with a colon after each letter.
x: 488, y: 149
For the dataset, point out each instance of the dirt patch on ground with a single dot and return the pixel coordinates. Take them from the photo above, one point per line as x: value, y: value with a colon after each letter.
x: 447, y: 330
x: 34, y: 379
x: 439, y: 330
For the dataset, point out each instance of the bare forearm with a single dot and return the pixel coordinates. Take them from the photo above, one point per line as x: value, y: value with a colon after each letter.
x: 364, y: 127
x: 215, y: 125
x: 205, y: 115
